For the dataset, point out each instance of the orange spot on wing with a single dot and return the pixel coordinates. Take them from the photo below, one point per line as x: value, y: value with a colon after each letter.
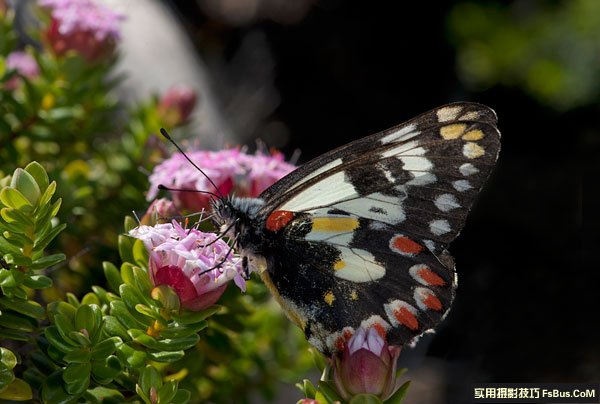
x: 431, y: 277
x: 432, y: 302
x: 278, y: 219
x: 380, y: 329
x: 406, y: 245
x: 347, y: 334
x: 340, y: 344
x: 404, y: 316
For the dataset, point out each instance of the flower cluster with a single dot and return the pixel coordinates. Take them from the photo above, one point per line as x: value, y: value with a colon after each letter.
x: 176, y: 105
x: 88, y: 28
x: 232, y: 170
x: 24, y: 64
x: 197, y: 265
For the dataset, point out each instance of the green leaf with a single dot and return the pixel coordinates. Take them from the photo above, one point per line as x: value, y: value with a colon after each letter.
x: 80, y: 338
x: 48, y: 193
x: 104, y: 395
x: 27, y: 307
x: 88, y: 318
x: 39, y: 174
x: 112, y: 276
x: 105, y: 348
x: 307, y: 388
x: 8, y: 358
x: 144, y: 339
x: 365, y: 399
x: 43, y: 242
x: 14, y: 335
x: 16, y: 217
x: 6, y: 376
x: 25, y: 184
x: 47, y: 261
x: 18, y: 390
x: 16, y: 322
x: 328, y: 391
x: 125, y: 244
x: 81, y: 355
x: 12, y: 198
x: 397, y: 397
x: 65, y: 327
x: 150, y: 377
x: 183, y: 396
x: 54, y: 337
x: 169, y: 357
x: 91, y: 298
x: 191, y: 317
x: 167, y: 392
x: 63, y: 308
x: 53, y: 390
x: 130, y: 319
x: 37, y: 282
x: 182, y: 331
x: 131, y: 297
x: 132, y: 357
x: 112, y: 326
x: 7, y: 279
x: 142, y: 280
x: 148, y: 311
x: 77, y: 377
x: 106, y: 370
x: 130, y: 224
x: 8, y: 247
x: 318, y: 359
x: 43, y: 362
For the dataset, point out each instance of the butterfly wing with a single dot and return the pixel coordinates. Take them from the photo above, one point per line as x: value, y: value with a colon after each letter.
x: 371, y: 223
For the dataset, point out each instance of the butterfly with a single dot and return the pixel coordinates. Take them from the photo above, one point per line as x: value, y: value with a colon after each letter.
x: 358, y: 236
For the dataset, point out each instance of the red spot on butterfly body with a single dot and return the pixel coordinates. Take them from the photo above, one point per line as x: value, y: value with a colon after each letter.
x: 278, y: 219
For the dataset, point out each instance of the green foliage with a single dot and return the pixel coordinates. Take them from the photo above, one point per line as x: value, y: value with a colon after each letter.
x: 547, y: 48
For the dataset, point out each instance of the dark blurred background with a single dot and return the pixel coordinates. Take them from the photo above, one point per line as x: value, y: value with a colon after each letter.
x: 312, y: 75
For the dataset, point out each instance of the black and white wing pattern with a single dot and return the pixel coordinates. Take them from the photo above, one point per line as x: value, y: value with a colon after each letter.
x: 358, y: 236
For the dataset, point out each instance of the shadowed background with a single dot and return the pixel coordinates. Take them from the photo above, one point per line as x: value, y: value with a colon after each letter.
x: 320, y: 74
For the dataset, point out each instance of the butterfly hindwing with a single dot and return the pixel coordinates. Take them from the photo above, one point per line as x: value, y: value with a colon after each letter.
x: 358, y: 236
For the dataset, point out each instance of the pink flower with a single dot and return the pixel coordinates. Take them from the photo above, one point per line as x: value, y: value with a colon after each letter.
x: 24, y: 64
x: 183, y: 258
x: 176, y: 105
x: 90, y: 29
x: 367, y: 366
x: 231, y: 170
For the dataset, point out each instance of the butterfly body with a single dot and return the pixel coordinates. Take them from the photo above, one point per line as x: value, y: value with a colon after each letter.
x: 357, y: 237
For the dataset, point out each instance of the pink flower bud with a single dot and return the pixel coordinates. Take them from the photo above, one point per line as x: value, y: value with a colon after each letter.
x: 176, y: 105
x: 90, y: 29
x: 24, y: 64
x: 366, y: 366
x: 160, y: 211
x: 193, y: 263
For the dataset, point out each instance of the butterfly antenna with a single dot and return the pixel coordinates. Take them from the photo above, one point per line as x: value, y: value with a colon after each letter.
x: 165, y: 188
x: 170, y: 139
x: 221, y: 235
x: 223, y: 260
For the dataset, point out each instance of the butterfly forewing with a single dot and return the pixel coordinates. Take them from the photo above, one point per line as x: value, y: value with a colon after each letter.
x: 366, y: 226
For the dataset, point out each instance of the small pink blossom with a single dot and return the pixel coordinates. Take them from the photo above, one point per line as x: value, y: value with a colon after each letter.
x: 90, y: 29
x: 176, y: 105
x: 182, y: 259
x: 232, y: 170
x: 366, y: 366
x: 24, y: 64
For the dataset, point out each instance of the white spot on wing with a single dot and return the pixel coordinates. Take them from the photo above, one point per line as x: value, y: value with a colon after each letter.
x: 404, y: 133
x: 420, y: 295
x: 430, y: 244
x: 462, y: 185
x: 361, y: 266
x: 414, y: 272
x: 468, y: 169
x: 321, y: 170
x: 416, y: 163
x: 323, y: 193
x: 446, y: 202
x: 375, y: 320
x: 391, y: 211
x: 439, y: 227
x: 448, y: 113
x: 422, y: 179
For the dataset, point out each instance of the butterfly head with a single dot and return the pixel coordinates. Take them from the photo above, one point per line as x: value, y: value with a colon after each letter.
x: 232, y: 214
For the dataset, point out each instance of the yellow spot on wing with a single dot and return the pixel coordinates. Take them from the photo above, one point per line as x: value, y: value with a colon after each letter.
x: 334, y: 224
x: 353, y: 295
x: 473, y: 150
x: 329, y: 297
x: 476, y: 134
x: 339, y: 265
x: 453, y: 131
